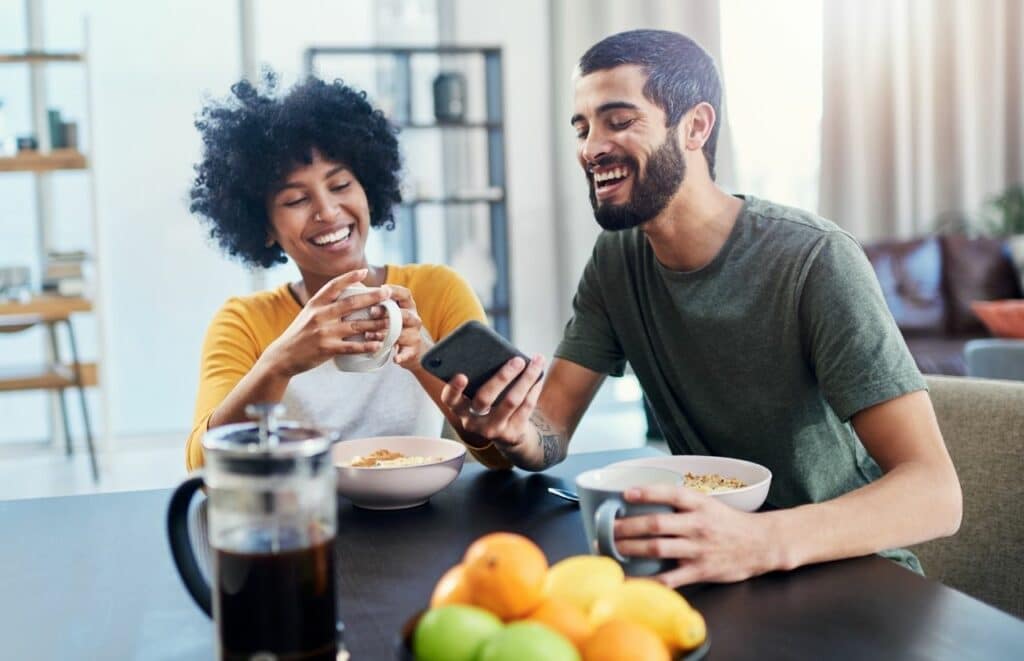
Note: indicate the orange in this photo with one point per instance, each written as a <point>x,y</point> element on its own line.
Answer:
<point>565,618</point>
<point>451,589</point>
<point>505,573</point>
<point>622,640</point>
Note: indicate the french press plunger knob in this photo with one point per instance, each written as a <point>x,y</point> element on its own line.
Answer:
<point>266,413</point>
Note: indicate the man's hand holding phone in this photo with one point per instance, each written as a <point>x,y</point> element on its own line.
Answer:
<point>491,386</point>
<point>505,421</point>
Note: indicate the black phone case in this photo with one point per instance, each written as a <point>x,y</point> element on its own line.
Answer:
<point>473,349</point>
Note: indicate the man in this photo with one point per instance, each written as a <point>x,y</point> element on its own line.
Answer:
<point>757,331</point>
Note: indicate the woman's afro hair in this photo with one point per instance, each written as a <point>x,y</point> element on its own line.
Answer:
<point>252,141</point>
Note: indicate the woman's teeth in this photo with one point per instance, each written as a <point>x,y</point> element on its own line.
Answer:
<point>333,237</point>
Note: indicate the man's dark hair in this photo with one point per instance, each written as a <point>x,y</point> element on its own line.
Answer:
<point>253,140</point>
<point>680,74</point>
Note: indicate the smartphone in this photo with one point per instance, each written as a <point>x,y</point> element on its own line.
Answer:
<point>473,349</point>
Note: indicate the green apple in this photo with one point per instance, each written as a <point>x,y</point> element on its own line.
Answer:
<point>453,633</point>
<point>527,641</point>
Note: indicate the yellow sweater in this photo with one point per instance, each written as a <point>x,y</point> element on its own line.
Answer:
<point>246,325</point>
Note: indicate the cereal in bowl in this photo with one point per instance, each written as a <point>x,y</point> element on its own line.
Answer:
<point>712,482</point>
<point>384,458</point>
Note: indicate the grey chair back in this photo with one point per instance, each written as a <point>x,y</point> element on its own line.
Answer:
<point>982,422</point>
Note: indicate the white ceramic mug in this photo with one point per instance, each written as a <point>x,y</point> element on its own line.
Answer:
<point>601,502</point>
<point>367,362</point>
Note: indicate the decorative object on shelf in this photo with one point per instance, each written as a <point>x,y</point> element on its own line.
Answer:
<point>56,128</point>
<point>14,284</point>
<point>69,134</point>
<point>66,274</point>
<point>27,143</point>
<point>450,97</point>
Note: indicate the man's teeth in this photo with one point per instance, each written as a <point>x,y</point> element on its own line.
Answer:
<point>617,173</point>
<point>333,237</point>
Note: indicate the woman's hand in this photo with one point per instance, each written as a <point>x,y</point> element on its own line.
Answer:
<point>318,333</point>
<point>411,344</point>
<point>712,541</point>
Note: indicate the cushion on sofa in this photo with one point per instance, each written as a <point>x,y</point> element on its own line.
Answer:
<point>975,270</point>
<point>910,274</point>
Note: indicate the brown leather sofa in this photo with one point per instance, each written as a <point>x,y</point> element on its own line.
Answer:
<point>929,285</point>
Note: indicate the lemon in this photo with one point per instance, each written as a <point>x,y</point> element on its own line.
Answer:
<point>582,579</point>
<point>655,606</point>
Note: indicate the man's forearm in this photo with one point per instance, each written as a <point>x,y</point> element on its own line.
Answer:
<point>910,504</point>
<point>544,446</point>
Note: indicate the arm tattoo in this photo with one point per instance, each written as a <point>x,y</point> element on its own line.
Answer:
<point>551,441</point>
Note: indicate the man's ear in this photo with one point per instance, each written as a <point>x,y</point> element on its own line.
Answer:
<point>698,124</point>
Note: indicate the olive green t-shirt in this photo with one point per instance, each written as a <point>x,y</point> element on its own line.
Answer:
<point>763,354</point>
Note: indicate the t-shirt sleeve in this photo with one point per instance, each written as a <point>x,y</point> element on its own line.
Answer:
<point>589,338</point>
<point>849,336</point>
<point>446,302</point>
<point>229,352</point>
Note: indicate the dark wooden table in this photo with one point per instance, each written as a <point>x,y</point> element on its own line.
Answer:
<point>90,577</point>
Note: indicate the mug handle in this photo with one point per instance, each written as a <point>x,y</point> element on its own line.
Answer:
<point>604,527</point>
<point>394,325</point>
<point>181,545</point>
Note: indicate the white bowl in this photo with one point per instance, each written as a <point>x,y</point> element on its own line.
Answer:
<point>755,476</point>
<point>398,487</point>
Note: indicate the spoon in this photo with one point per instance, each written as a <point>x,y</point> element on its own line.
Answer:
<point>564,493</point>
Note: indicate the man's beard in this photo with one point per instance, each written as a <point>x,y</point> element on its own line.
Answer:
<point>650,195</point>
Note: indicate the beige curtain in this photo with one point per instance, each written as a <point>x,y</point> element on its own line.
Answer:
<point>575,26</point>
<point>922,116</point>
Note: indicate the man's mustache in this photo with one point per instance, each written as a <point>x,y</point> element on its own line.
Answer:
<point>606,161</point>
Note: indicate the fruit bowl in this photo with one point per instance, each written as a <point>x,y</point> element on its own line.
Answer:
<point>396,487</point>
<point>403,643</point>
<point>746,499</point>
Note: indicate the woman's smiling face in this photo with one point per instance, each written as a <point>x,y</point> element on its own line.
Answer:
<point>320,217</point>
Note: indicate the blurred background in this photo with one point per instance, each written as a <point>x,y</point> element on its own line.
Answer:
<point>897,119</point>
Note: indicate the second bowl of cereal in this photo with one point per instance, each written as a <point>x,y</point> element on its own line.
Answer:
<point>395,472</point>
<point>735,482</point>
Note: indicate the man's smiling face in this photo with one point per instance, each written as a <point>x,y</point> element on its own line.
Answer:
<point>632,161</point>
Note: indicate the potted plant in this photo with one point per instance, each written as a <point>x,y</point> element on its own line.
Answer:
<point>1004,217</point>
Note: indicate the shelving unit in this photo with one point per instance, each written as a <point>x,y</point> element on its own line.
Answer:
<point>400,59</point>
<point>49,311</point>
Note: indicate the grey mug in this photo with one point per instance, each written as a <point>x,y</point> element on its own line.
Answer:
<point>601,502</point>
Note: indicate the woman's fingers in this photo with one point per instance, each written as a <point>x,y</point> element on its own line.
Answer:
<point>343,307</point>
<point>350,347</point>
<point>402,296</point>
<point>334,287</point>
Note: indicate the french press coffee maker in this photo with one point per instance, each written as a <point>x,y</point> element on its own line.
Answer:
<point>271,522</point>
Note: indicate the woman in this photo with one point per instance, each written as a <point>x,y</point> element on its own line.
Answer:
<point>306,176</point>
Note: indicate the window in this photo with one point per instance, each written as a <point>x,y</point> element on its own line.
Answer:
<point>771,64</point>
